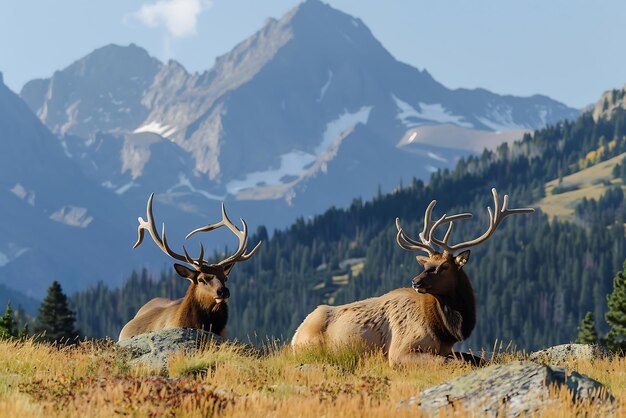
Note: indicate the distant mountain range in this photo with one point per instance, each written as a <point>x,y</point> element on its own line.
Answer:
<point>290,122</point>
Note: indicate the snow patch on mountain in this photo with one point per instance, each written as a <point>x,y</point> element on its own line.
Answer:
<point>325,86</point>
<point>343,122</point>
<point>293,163</point>
<point>183,181</point>
<point>437,157</point>
<point>27,195</point>
<point>156,128</point>
<point>431,112</point>
<point>11,252</point>
<point>72,216</point>
<point>500,118</point>
<point>437,113</point>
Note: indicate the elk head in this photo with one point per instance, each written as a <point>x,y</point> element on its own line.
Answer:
<point>208,278</point>
<point>442,269</point>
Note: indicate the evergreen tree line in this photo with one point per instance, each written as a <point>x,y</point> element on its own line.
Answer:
<point>609,208</point>
<point>534,279</point>
<point>615,338</point>
<point>54,323</point>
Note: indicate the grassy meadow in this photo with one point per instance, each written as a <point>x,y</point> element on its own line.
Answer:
<point>590,182</point>
<point>95,379</point>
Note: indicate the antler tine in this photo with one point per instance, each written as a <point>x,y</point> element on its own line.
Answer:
<point>201,258</point>
<point>495,217</point>
<point>243,242</point>
<point>445,219</point>
<point>151,228</point>
<point>448,232</point>
<point>240,254</point>
<point>407,243</point>
<point>427,237</point>
<point>247,255</point>
<point>427,223</point>
<point>211,227</point>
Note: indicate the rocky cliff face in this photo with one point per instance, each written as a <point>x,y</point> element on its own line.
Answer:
<point>610,102</point>
<point>270,116</point>
<point>100,92</point>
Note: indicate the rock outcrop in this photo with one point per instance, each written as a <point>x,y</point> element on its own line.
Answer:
<point>512,389</point>
<point>153,349</point>
<point>559,354</point>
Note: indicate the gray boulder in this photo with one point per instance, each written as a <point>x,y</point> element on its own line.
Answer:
<point>153,349</point>
<point>512,389</point>
<point>560,353</point>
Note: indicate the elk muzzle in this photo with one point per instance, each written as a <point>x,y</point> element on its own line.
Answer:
<point>419,283</point>
<point>222,294</point>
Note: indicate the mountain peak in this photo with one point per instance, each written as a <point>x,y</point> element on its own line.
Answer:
<point>102,89</point>
<point>610,102</point>
<point>109,57</point>
<point>320,14</point>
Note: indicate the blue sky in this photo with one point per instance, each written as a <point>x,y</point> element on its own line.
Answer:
<point>571,50</point>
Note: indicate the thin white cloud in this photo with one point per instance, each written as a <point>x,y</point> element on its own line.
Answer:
<point>178,17</point>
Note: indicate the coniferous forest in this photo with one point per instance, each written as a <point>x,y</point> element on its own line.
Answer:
<point>535,278</point>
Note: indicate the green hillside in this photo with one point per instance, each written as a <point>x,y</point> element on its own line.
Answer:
<point>534,279</point>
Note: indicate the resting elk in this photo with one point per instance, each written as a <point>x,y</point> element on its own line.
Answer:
<point>411,324</point>
<point>204,305</point>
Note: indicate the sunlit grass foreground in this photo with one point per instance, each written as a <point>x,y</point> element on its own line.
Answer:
<point>95,379</point>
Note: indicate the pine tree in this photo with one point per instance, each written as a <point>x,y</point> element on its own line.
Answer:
<point>616,315</point>
<point>587,330</point>
<point>55,318</point>
<point>8,327</point>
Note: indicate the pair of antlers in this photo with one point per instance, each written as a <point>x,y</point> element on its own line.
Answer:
<point>427,237</point>
<point>198,263</point>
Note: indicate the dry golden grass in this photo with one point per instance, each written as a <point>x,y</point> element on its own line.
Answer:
<point>590,185</point>
<point>95,380</point>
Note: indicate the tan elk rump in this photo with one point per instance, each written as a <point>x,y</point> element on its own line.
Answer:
<point>408,324</point>
<point>205,304</point>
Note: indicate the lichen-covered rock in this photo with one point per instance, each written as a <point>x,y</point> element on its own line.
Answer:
<point>153,349</point>
<point>560,353</point>
<point>511,390</point>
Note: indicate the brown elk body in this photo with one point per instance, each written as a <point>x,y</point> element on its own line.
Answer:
<point>409,324</point>
<point>205,304</point>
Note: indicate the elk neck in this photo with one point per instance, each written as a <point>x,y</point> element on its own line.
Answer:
<point>462,301</point>
<point>202,312</point>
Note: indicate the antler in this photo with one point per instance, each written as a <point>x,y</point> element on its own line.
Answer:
<point>428,238</point>
<point>162,242</point>
<point>495,217</point>
<point>240,254</point>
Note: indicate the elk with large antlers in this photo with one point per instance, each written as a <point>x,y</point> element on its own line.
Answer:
<point>204,305</point>
<point>408,324</point>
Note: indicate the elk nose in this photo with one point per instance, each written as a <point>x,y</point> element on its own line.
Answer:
<point>223,293</point>
<point>417,282</point>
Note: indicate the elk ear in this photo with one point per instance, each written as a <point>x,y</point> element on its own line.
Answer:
<point>228,268</point>
<point>422,259</point>
<point>462,259</point>
<point>186,273</point>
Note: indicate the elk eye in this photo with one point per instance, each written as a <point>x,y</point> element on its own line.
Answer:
<point>444,266</point>
<point>430,270</point>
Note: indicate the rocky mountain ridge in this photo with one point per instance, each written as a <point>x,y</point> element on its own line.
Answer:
<point>270,115</point>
